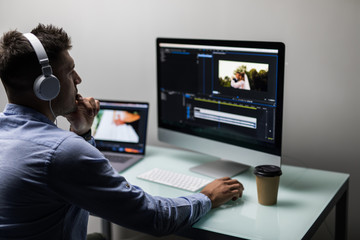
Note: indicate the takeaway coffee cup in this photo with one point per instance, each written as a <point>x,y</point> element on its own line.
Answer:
<point>267,183</point>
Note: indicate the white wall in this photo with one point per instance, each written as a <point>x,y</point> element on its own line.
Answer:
<point>114,50</point>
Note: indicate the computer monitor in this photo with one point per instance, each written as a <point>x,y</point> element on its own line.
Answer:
<point>222,98</point>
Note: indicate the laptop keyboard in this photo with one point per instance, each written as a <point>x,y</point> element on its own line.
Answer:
<point>119,159</point>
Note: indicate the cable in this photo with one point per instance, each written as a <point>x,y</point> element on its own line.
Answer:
<point>52,112</point>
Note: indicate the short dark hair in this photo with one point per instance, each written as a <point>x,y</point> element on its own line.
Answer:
<point>19,66</point>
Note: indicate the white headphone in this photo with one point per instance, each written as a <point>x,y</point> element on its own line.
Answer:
<point>46,86</point>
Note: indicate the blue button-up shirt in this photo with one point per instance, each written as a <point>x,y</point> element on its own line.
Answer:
<point>50,179</point>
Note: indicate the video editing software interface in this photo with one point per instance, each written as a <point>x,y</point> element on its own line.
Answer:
<point>121,126</point>
<point>228,91</point>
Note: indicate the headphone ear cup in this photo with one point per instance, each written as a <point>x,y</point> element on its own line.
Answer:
<point>46,88</point>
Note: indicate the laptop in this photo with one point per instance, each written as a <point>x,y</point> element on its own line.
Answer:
<point>119,130</point>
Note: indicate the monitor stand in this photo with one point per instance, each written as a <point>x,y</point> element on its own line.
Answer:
<point>220,168</point>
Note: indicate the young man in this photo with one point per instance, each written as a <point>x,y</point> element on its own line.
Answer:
<point>50,179</point>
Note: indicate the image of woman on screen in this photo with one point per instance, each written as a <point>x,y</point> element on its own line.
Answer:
<point>240,81</point>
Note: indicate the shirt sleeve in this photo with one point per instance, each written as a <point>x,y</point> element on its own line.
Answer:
<point>82,176</point>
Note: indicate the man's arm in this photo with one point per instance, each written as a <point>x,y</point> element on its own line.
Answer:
<point>81,175</point>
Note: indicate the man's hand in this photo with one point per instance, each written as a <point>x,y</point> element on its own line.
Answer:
<point>82,119</point>
<point>222,190</point>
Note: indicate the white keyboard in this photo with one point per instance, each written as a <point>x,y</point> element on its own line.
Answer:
<point>174,179</point>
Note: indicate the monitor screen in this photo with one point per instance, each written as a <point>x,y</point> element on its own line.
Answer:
<point>227,93</point>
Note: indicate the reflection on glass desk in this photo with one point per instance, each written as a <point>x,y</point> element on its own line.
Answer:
<point>306,196</point>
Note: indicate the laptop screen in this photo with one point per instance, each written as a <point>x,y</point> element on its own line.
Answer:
<point>121,126</point>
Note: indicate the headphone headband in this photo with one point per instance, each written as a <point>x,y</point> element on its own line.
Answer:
<point>46,86</point>
<point>40,53</point>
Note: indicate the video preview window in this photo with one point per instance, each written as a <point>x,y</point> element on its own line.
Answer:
<point>251,78</point>
<point>243,75</point>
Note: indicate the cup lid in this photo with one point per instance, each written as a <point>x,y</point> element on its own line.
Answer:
<point>267,171</point>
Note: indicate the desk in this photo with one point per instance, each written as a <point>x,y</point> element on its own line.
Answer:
<point>306,196</point>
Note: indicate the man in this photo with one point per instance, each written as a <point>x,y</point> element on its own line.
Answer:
<point>240,81</point>
<point>50,179</point>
